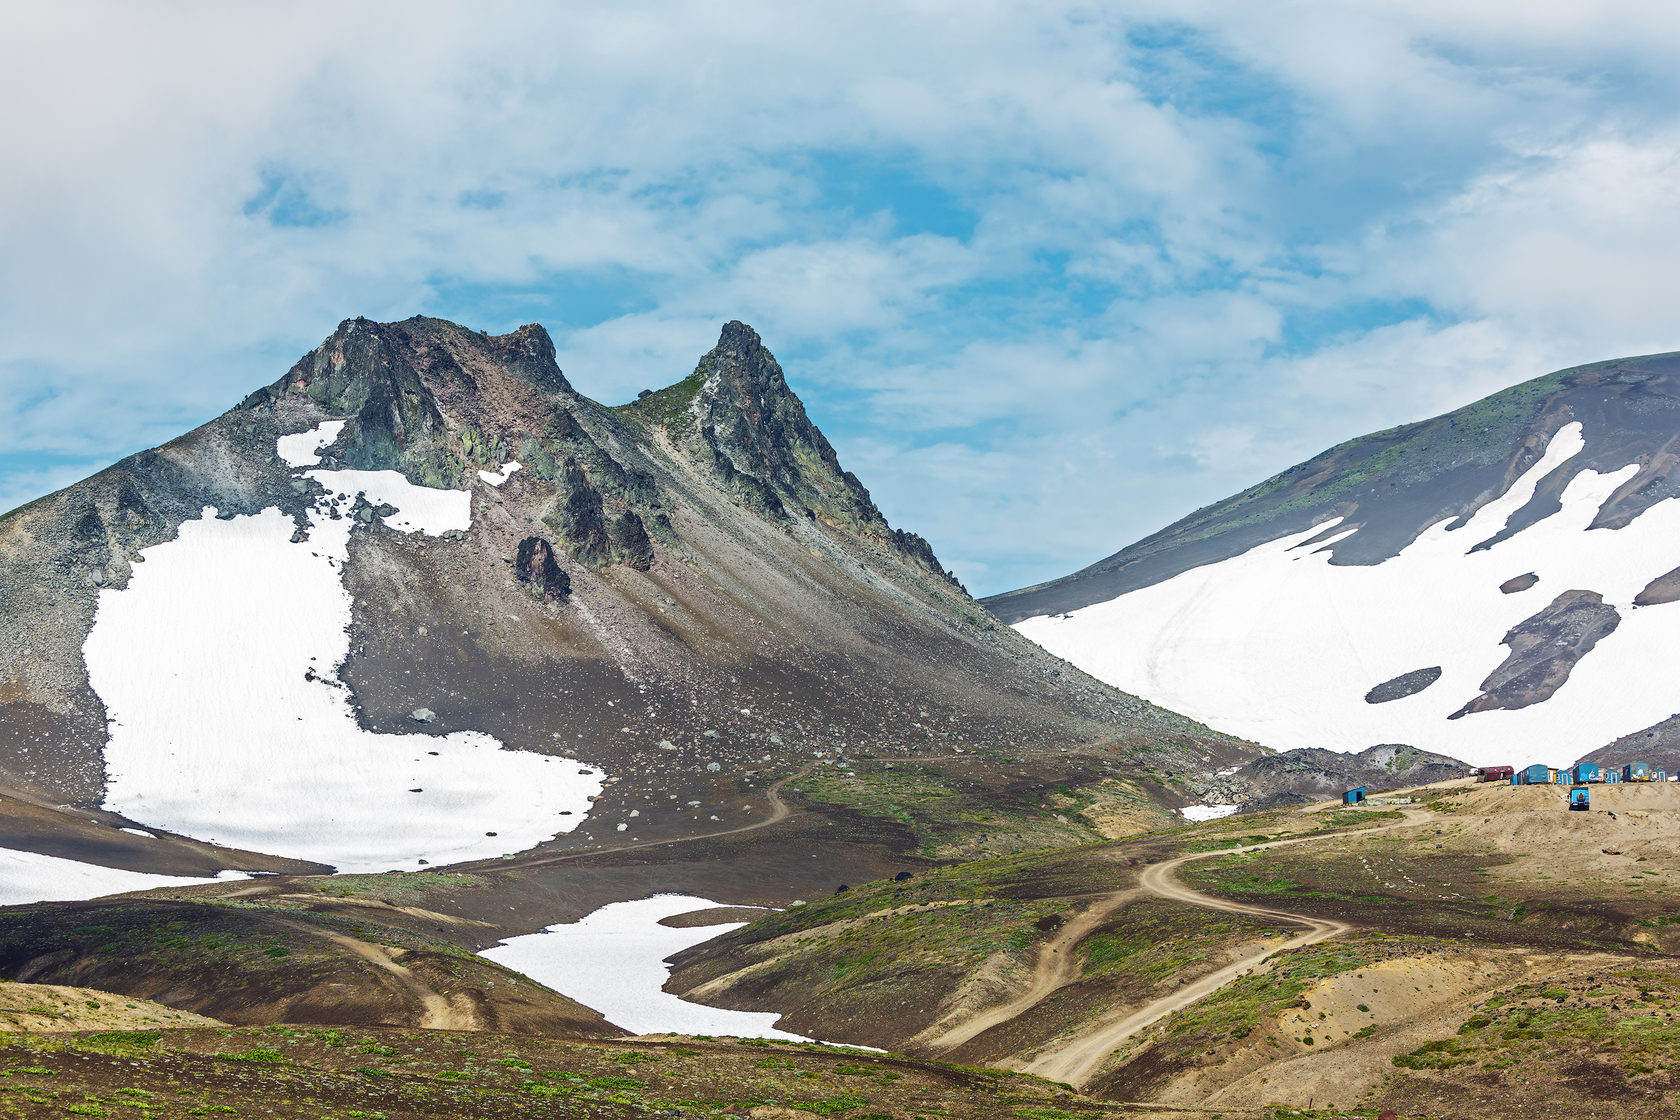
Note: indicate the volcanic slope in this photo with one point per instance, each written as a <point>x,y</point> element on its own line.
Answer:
<point>1471,950</point>
<point>419,602</point>
<point>1497,584</point>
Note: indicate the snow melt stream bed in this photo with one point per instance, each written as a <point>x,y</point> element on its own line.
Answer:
<point>614,961</point>
<point>218,666</point>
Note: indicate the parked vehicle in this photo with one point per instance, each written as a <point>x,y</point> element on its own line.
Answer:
<point>1580,799</point>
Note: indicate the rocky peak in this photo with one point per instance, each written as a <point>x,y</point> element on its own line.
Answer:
<point>763,441</point>
<point>754,429</point>
<point>397,382</point>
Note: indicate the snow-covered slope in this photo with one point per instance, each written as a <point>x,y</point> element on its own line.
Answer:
<point>218,666</point>
<point>1533,620</point>
<point>418,601</point>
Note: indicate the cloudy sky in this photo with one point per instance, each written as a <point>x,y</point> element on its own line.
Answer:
<point>1049,275</point>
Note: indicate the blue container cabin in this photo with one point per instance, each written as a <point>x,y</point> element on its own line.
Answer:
<point>1354,796</point>
<point>1561,777</point>
<point>1536,775</point>
<point>1585,772</point>
<point>1611,774</point>
<point>1636,772</point>
<point>1580,799</point>
<point>1516,779</point>
<point>1659,775</point>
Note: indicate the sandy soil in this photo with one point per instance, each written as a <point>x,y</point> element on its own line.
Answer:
<point>1082,1058</point>
<point>47,1008</point>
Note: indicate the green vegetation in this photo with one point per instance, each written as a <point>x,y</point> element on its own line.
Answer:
<point>1623,1020</point>
<point>1153,940</point>
<point>668,407</point>
<point>292,1073</point>
<point>953,816</point>
<point>1240,1008</point>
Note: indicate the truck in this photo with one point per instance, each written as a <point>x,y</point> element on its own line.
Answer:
<point>1580,799</point>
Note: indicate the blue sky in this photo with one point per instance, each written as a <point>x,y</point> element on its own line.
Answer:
<point>1049,276</point>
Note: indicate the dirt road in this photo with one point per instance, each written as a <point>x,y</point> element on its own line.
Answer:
<point>439,1011</point>
<point>1077,1060</point>
<point>779,812</point>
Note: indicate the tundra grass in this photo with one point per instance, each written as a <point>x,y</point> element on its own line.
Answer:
<point>953,817</point>
<point>348,1073</point>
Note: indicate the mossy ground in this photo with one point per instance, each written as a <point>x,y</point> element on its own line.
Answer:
<point>330,1073</point>
<point>955,816</point>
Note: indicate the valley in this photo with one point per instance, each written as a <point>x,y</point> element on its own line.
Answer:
<point>423,738</point>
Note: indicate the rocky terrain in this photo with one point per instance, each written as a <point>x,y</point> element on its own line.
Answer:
<point>687,591</point>
<point>672,648</point>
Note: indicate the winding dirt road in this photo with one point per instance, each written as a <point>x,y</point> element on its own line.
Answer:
<point>1079,1059</point>
<point>779,812</point>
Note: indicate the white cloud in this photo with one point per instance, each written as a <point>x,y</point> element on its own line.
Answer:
<point>1189,243</point>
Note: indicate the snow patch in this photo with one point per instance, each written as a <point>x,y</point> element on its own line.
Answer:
<point>139,832</point>
<point>496,479</point>
<point>1200,813</point>
<point>1281,646</point>
<point>420,509</point>
<point>304,448</point>
<point>614,961</point>
<point>31,877</point>
<point>218,667</point>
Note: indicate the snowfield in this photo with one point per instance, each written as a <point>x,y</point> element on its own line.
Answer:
<point>614,961</point>
<point>1200,813</point>
<point>304,448</point>
<point>1280,646</point>
<point>496,478</point>
<point>29,877</point>
<point>218,667</point>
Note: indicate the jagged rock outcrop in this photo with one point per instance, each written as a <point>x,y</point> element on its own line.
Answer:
<point>1545,649</point>
<point>535,565</point>
<point>738,413</point>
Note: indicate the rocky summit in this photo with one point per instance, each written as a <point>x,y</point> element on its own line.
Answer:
<point>684,598</point>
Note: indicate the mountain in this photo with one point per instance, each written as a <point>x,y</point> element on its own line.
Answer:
<point>1497,584</point>
<point>418,602</point>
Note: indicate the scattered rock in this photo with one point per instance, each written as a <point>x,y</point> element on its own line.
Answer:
<point>423,715</point>
<point>1406,684</point>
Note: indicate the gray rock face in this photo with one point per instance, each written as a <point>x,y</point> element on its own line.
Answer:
<point>1664,589</point>
<point>1519,583</point>
<point>1406,684</point>
<point>1310,774</point>
<point>764,446</point>
<point>1544,651</point>
<point>534,564</point>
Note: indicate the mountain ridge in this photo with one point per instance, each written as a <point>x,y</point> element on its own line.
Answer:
<point>1493,581</point>
<point>1521,420</point>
